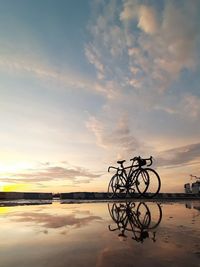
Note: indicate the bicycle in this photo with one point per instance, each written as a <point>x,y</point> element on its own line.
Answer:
<point>139,177</point>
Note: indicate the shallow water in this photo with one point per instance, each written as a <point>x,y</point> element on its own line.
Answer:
<point>101,234</point>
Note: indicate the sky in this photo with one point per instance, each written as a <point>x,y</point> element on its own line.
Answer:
<point>86,83</point>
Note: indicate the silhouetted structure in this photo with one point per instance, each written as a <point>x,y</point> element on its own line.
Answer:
<point>24,195</point>
<point>194,188</point>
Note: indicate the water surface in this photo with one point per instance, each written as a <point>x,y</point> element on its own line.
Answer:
<point>101,234</point>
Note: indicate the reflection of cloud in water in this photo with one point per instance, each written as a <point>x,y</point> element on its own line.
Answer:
<point>55,221</point>
<point>112,257</point>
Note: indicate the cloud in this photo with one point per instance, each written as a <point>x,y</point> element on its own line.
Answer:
<point>94,58</point>
<point>118,140</point>
<point>188,108</point>
<point>31,66</point>
<point>166,43</point>
<point>67,78</point>
<point>144,14</point>
<point>46,173</point>
<point>55,221</point>
<point>147,19</point>
<point>179,156</point>
<point>191,106</point>
<point>130,11</point>
<point>175,45</point>
<point>154,45</point>
<point>166,109</point>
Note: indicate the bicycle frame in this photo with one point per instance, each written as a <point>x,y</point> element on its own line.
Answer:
<point>131,167</point>
<point>129,176</point>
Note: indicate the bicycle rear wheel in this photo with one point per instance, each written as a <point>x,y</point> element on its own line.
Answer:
<point>114,211</point>
<point>110,192</point>
<point>154,183</point>
<point>118,212</point>
<point>117,187</point>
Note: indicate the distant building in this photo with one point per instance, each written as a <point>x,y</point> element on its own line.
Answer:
<point>196,187</point>
<point>187,188</point>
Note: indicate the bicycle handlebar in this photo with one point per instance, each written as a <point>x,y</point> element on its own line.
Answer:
<point>151,161</point>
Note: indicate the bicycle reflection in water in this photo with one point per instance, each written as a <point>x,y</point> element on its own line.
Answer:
<point>137,217</point>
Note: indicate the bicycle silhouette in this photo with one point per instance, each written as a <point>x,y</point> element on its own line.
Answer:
<point>138,219</point>
<point>140,178</point>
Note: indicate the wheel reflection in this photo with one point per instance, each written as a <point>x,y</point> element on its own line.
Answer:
<point>141,219</point>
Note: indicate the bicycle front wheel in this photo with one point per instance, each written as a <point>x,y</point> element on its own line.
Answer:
<point>142,182</point>
<point>154,183</point>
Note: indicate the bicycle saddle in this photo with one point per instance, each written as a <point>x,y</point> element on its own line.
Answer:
<point>120,161</point>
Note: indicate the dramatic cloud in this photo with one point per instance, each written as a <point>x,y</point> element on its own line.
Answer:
<point>166,44</point>
<point>173,46</point>
<point>143,50</point>
<point>180,155</point>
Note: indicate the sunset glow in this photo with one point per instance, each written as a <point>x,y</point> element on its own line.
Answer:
<point>14,187</point>
<point>85,83</point>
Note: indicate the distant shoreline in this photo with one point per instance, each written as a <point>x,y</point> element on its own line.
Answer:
<point>86,196</point>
